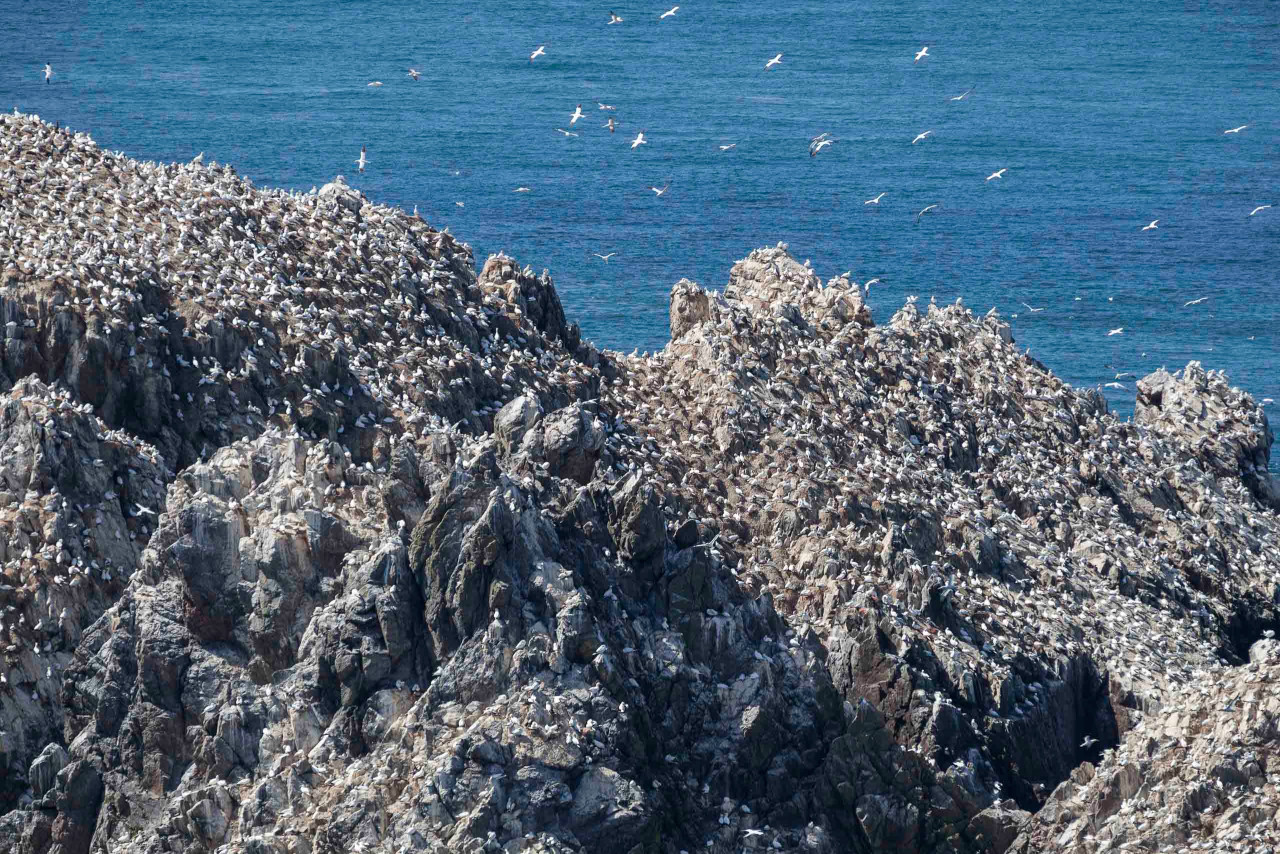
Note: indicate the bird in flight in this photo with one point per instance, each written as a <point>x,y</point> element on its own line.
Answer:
<point>1258,208</point>
<point>729,146</point>
<point>925,211</point>
<point>606,106</point>
<point>611,124</point>
<point>777,60</point>
<point>604,258</point>
<point>866,288</point>
<point>1117,331</point>
<point>1152,225</point>
<point>1194,302</point>
<point>614,19</point>
<point>1120,386</point>
<point>362,161</point>
<point>577,114</point>
<point>522,189</point>
<point>965,94</point>
<point>541,51</point>
<point>1235,130</point>
<point>48,72</point>
<point>923,52</point>
<point>997,173</point>
<point>820,142</point>
<point>566,132</point>
<point>670,12</point>
<point>921,136</point>
<point>415,73</point>
<point>376,83</point>
<point>662,189</point>
<point>1033,310</point>
<point>460,204</point>
<point>638,141</point>
<point>876,200</point>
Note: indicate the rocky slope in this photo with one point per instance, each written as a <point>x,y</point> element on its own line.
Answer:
<point>316,539</point>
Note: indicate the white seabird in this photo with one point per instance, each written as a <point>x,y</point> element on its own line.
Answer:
<point>1258,208</point>
<point>921,136</point>
<point>638,141</point>
<point>670,12</point>
<point>777,60</point>
<point>876,200</point>
<point>922,53</point>
<point>997,173</point>
<point>1151,225</point>
<point>541,51</point>
<point>48,72</point>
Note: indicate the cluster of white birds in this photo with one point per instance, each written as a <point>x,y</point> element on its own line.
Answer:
<point>816,144</point>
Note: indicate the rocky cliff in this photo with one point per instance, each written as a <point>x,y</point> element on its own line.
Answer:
<point>316,539</point>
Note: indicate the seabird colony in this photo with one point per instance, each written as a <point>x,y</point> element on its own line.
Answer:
<point>316,539</point>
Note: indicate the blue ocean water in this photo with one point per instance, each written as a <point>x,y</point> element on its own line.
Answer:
<point>1107,115</point>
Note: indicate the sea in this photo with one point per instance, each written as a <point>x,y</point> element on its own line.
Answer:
<point>1105,115</point>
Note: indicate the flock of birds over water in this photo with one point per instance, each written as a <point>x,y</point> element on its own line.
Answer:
<point>817,144</point>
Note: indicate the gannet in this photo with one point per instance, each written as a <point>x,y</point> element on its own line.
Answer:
<point>614,19</point>
<point>820,142</point>
<point>1152,225</point>
<point>48,72</point>
<point>537,53</point>
<point>1229,130</point>
<point>921,136</point>
<point>639,140</point>
<point>997,173</point>
<point>668,13</point>
<point>1258,208</point>
<point>577,114</point>
<point>923,52</point>
<point>362,161</point>
<point>777,60</point>
<point>415,73</point>
<point>876,200</point>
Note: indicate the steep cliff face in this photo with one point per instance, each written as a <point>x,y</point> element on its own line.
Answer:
<point>316,539</point>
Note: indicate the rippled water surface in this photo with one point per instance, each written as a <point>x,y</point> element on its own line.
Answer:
<point>1106,115</point>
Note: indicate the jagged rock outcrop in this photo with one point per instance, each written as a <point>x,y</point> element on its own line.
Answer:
<point>397,562</point>
<point>1229,432</point>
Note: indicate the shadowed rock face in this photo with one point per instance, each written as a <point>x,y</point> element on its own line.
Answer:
<point>316,540</point>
